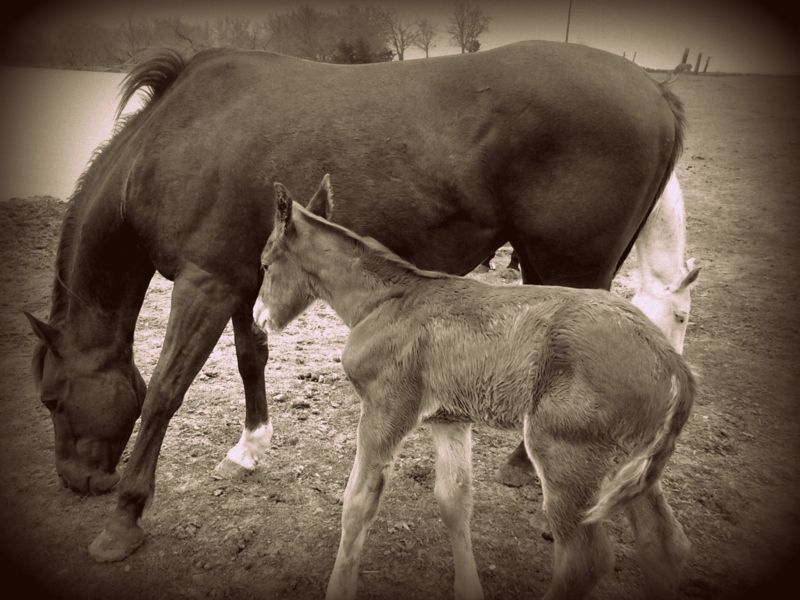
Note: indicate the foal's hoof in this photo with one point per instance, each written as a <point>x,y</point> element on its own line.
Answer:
<point>515,476</point>
<point>228,469</point>
<point>115,543</point>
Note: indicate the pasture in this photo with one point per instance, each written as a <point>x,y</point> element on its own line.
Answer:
<point>734,481</point>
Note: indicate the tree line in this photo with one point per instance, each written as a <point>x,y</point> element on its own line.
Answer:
<point>352,35</point>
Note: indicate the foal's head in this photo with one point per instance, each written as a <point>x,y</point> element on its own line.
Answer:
<point>668,306</point>
<point>283,258</point>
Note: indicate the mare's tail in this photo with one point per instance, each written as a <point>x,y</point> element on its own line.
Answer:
<point>644,469</point>
<point>156,73</point>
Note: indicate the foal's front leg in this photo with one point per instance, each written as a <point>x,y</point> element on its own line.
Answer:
<point>370,474</point>
<point>453,491</point>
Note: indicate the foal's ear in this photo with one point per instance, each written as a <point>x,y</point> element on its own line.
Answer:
<point>47,334</point>
<point>283,211</point>
<point>322,202</point>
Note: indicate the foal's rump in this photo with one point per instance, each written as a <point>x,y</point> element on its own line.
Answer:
<point>584,370</point>
<point>617,390</point>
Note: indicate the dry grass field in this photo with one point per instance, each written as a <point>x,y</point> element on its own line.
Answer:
<point>734,481</point>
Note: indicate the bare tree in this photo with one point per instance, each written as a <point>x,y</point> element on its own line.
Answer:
<point>363,35</point>
<point>136,36</point>
<point>305,32</point>
<point>426,32</point>
<point>401,33</point>
<point>466,25</point>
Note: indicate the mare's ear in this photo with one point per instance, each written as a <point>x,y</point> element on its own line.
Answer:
<point>322,202</point>
<point>283,209</point>
<point>47,334</point>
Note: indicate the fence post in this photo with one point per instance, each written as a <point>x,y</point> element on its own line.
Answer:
<point>697,65</point>
<point>634,57</point>
<point>706,67</point>
<point>685,56</point>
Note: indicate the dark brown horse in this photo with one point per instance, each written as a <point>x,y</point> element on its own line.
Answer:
<point>560,149</point>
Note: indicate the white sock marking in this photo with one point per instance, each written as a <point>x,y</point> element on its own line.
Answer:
<point>252,446</point>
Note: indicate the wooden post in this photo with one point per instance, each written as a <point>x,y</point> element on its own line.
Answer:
<point>569,16</point>
<point>706,67</point>
<point>623,54</point>
<point>685,56</point>
<point>634,57</point>
<point>697,65</point>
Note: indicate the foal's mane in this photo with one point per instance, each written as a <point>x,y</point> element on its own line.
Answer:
<point>374,256</point>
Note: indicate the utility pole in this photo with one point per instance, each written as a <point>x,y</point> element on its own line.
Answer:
<point>569,15</point>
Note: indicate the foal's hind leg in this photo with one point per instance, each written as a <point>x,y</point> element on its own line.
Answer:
<point>453,493</point>
<point>661,546</point>
<point>571,473</point>
<point>251,356</point>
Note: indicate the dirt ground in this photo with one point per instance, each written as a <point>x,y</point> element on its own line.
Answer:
<point>734,481</point>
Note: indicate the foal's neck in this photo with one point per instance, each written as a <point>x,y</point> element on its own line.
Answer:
<point>355,278</point>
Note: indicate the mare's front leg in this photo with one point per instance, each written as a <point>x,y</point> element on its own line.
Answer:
<point>251,355</point>
<point>200,309</point>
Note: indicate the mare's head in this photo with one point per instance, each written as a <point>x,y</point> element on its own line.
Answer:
<point>94,403</point>
<point>669,306</point>
<point>282,260</point>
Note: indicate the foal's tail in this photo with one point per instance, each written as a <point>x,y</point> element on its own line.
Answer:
<point>644,469</point>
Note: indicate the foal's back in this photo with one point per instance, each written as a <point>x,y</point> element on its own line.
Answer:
<point>487,354</point>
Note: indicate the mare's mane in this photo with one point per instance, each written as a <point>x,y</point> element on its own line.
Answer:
<point>157,72</point>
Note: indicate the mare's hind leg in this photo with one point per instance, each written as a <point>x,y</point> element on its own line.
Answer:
<point>453,491</point>
<point>571,472</point>
<point>661,546</point>
<point>200,309</point>
<point>376,446</point>
<point>517,470</point>
<point>251,355</point>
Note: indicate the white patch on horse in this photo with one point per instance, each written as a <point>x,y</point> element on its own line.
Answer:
<point>665,281</point>
<point>252,446</point>
<point>536,467</point>
<point>261,314</point>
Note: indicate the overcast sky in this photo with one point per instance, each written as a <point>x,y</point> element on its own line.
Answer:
<point>738,35</point>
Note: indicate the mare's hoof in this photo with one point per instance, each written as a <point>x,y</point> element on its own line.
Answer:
<point>115,543</point>
<point>228,469</point>
<point>515,476</point>
<point>509,274</point>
